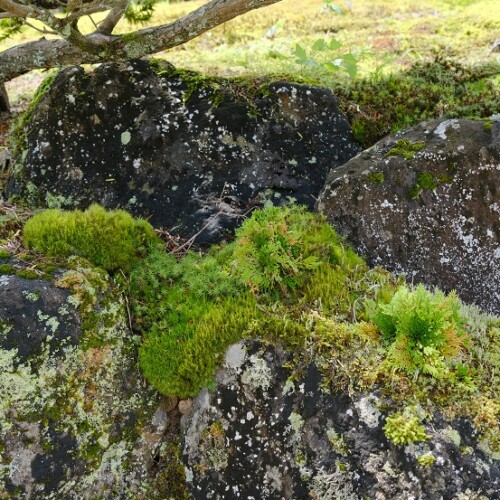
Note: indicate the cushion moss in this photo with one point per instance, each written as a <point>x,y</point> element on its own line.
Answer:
<point>112,240</point>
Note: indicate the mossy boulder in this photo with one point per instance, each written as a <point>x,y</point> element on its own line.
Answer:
<point>266,432</point>
<point>182,150</point>
<point>76,418</point>
<point>425,203</point>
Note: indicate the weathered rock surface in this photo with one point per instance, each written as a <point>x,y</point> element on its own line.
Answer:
<point>76,419</point>
<point>434,217</point>
<point>263,435</point>
<point>178,149</point>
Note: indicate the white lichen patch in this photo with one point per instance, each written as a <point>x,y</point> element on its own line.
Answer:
<point>367,411</point>
<point>125,137</point>
<point>258,375</point>
<point>51,322</point>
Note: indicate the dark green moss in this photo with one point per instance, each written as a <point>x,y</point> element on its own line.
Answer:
<point>7,269</point>
<point>28,274</point>
<point>376,177</point>
<point>171,478</point>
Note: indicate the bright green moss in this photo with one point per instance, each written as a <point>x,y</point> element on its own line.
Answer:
<point>403,429</point>
<point>180,361</point>
<point>426,460</point>
<point>4,254</point>
<point>7,269</point>
<point>406,149</point>
<point>109,239</point>
<point>278,248</point>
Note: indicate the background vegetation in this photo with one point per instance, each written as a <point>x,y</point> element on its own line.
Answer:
<point>430,59</point>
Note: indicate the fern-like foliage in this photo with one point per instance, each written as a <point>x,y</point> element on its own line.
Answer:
<point>423,330</point>
<point>9,27</point>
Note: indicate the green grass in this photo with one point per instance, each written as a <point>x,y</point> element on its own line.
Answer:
<point>427,60</point>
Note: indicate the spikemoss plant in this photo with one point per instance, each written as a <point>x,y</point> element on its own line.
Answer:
<point>278,248</point>
<point>109,239</point>
<point>423,330</point>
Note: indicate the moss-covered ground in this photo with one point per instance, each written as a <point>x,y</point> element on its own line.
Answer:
<point>289,278</point>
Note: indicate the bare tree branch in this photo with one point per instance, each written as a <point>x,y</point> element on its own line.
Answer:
<point>100,47</point>
<point>107,26</point>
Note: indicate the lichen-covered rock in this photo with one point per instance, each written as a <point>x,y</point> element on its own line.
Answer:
<point>426,203</point>
<point>263,434</point>
<point>76,418</point>
<point>177,148</point>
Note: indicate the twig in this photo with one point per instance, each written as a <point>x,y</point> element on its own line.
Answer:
<point>189,243</point>
<point>127,306</point>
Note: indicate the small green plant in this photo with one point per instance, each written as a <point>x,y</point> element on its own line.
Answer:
<point>426,460</point>
<point>279,248</point>
<point>109,239</point>
<point>327,54</point>
<point>424,180</point>
<point>403,429</point>
<point>422,330</point>
<point>406,149</point>
<point>376,177</point>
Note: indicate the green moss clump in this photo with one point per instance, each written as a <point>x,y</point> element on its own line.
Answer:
<point>279,248</point>
<point>404,429</point>
<point>109,239</point>
<point>7,269</point>
<point>28,274</point>
<point>4,254</point>
<point>424,180</point>
<point>426,460</point>
<point>406,149</point>
<point>376,177</point>
<point>189,311</point>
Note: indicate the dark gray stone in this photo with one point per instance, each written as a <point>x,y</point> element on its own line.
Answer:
<point>176,149</point>
<point>262,435</point>
<point>447,235</point>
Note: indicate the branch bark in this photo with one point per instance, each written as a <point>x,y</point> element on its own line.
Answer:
<point>101,47</point>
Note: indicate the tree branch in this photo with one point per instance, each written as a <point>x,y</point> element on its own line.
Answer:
<point>107,26</point>
<point>52,53</point>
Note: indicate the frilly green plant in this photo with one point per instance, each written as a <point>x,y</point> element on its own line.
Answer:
<point>112,240</point>
<point>423,330</point>
<point>279,247</point>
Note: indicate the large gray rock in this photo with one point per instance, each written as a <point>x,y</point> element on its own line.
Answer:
<point>177,149</point>
<point>265,435</point>
<point>77,420</point>
<point>433,215</point>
